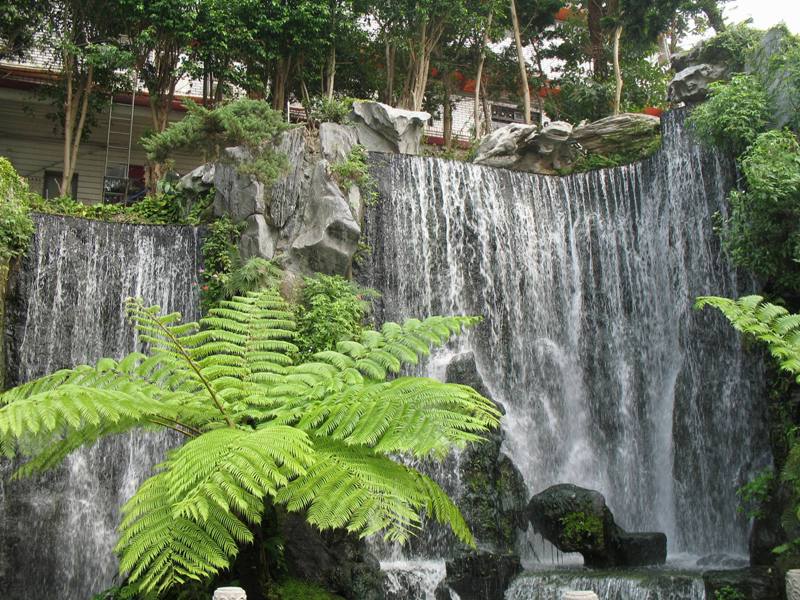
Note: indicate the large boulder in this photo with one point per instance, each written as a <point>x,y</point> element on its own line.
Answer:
<point>336,141</point>
<point>691,85</point>
<point>328,233</point>
<point>577,519</point>
<point>528,148</point>
<point>557,145</point>
<point>625,132</point>
<point>382,128</point>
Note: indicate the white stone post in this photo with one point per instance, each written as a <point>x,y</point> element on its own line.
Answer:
<point>793,584</point>
<point>579,595</point>
<point>230,593</point>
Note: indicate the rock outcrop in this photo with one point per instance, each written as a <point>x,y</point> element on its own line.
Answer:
<point>576,519</point>
<point>777,79</point>
<point>557,145</point>
<point>697,68</point>
<point>382,128</point>
<point>305,217</point>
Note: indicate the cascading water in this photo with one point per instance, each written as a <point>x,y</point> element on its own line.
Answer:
<point>609,378</point>
<point>65,308</point>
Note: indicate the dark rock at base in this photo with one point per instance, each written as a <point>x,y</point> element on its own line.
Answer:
<point>642,548</point>
<point>755,583</point>
<point>577,519</point>
<point>721,560</point>
<point>482,576</point>
<point>334,560</point>
<point>494,498</point>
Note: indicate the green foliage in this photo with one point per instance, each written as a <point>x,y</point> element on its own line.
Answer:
<point>220,258</point>
<point>763,231</point>
<point>754,495</point>
<point>786,64</point>
<point>294,589</point>
<point>243,122</point>
<point>728,593</point>
<point>354,170</point>
<point>161,208</point>
<point>733,116</point>
<point>734,44</point>
<point>254,275</point>
<point>331,309</point>
<point>319,436</point>
<point>331,110</point>
<point>16,227</point>
<point>580,528</point>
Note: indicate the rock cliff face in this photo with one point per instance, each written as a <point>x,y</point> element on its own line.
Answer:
<point>308,219</point>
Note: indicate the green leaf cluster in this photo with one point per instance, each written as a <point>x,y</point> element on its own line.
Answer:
<point>336,109</point>
<point>754,495</point>
<point>354,170</point>
<point>763,231</point>
<point>733,116</point>
<point>320,436</point>
<point>242,122</point>
<point>581,528</point>
<point>331,309</point>
<point>220,258</point>
<point>728,593</point>
<point>16,227</point>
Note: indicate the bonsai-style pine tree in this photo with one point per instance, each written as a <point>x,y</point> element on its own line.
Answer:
<point>320,436</point>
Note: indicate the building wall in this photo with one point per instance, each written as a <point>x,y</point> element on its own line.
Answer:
<point>33,144</point>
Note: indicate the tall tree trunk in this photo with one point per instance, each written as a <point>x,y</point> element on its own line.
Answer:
<point>331,72</point>
<point>391,54</point>
<point>523,71</point>
<point>596,46</point>
<point>479,76</point>
<point>282,68</point>
<point>67,62</point>
<point>487,113</point>
<point>617,70</point>
<point>447,117</point>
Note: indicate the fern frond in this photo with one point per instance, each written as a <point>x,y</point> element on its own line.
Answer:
<point>767,322</point>
<point>365,492</point>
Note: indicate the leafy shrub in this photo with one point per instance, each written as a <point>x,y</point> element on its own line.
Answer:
<point>354,170</point>
<point>160,209</point>
<point>728,593</point>
<point>255,274</point>
<point>733,116</point>
<point>580,528</point>
<point>220,256</point>
<point>331,309</point>
<point>733,45</point>
<point>763,231</point>
<point>754,495</point>
<point>243,122</point>
<point>330,110</point>
<point>16,227</point>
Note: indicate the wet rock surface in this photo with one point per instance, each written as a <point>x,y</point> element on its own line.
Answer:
<point>577,519</point>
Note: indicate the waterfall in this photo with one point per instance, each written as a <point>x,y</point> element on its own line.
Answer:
<point>609,378</point>
<point>638,585</point>
<point>65,307</point>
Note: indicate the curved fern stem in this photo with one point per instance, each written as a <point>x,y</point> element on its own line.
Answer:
<point>182,351</point>
<point>176,426</point>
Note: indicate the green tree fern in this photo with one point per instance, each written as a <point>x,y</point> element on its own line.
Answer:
<point>320,436</point>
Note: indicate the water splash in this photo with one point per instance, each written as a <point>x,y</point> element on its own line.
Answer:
<point>66,308</point>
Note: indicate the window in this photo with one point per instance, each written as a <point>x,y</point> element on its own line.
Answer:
<point>52,181</point>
